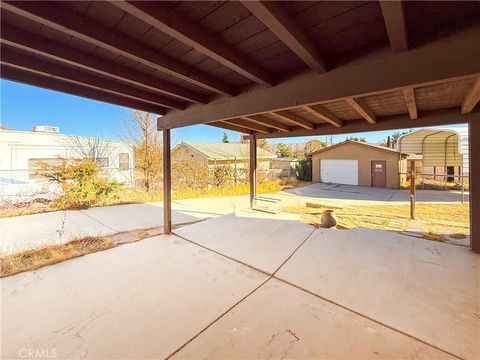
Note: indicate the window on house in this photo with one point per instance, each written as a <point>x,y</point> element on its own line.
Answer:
<point>34,167</point>
<point>123,161</point>
<point>102,162</point>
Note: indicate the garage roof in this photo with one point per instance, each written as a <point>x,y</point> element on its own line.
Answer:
<point>360,143</point>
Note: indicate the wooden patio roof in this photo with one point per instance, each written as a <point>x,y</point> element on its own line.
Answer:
<point>272,69</point>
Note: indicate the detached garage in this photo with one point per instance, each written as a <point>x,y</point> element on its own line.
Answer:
<point>358,163</point>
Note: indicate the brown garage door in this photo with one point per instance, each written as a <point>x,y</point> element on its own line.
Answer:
<point>379,173</point>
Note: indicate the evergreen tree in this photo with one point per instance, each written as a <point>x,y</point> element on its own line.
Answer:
<point>284,150</point>
<point>225,138</point>
<point>354,138</point>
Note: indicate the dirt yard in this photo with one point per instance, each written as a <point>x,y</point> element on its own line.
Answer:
<point>436,221</point>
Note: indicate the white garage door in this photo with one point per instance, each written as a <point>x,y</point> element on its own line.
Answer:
<point>339,171</point>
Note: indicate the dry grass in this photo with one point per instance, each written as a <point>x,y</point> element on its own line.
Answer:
<point>11,210</point>
<point>48,255</point>
<point>240,189</point>
<point>430,184</point>
<point>53,254</point>
<point>435,220</point>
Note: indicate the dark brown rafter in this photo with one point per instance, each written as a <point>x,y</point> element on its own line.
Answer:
<point>227,126</point>
<point>409,95</point>
<point>324,114</point>
<point>68,22</point>
<point>427,118</point>
<point>161,17</point>
<point>360,107</point>
<point>24,40</point>
<point>472,98</point>
<point>284,27</point>
<point>74,76</point>
<point>262,120</point>
<point>86,92</point>
<point>250,125</point>
<point>295,119</point>
<point>394,16</point>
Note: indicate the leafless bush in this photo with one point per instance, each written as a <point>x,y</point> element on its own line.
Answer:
<point>189,173</point>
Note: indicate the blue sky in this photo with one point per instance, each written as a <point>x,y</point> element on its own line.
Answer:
<point>24,106</point>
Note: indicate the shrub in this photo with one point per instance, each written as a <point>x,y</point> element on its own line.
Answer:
<point>80,182</point>
<point>304,169</point>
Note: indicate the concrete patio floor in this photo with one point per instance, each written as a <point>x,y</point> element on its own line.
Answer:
<point>294,293</point>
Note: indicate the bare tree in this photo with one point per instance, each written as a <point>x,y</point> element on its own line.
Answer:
<point>140,131</point>
<point>90,148</point>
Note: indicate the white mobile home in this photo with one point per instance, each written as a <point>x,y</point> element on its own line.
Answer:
<point>20,152</point>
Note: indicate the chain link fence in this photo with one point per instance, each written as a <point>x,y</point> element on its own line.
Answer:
<point>25,185</point>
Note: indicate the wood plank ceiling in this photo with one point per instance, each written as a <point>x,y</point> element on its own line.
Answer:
<point>182,59</point>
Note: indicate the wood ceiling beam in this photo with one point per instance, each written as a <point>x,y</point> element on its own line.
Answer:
<point>434,63</point>
<point>322,113</point>
<point>263,120</point>
<point>177,25</point>
<point>274,16</point>
<point>295,119</point>
<point>250,125</point>
<point>472,98</point>
<point>427,118</point>
<point>75,76</point>
<point>24,40</point>
<point>29,78</point>
<point>409,95</point>
<point>68,22</point>
<point>362,108</point>
<point>226,126</point>
<point>394,17</point>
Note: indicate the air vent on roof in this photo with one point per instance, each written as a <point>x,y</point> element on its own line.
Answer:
<point>47,129</point>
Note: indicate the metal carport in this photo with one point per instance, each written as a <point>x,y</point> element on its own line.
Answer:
<point>439,147</point>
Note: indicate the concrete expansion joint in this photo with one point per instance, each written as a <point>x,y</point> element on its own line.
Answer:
<point>98,221</point>
<point>273,276</point>
<point>293,252</point>
<point>270,276</point>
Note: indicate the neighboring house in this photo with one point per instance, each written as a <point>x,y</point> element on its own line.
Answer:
<point>21,151</point>
<point>234,155</point>
<point>437,152</point>
<point>358,163</point>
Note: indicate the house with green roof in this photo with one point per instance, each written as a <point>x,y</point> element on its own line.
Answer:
<point>215,155</point>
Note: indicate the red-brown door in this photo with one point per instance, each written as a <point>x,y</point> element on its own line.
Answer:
<point>379,173</point>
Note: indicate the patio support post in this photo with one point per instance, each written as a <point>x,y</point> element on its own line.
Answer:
<point>412,191</point>
<point>167,183</point>
<point>474,183</point>
<point>253,169</point>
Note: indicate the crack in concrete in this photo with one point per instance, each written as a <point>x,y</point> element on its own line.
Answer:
<point>61,231</point>
<point>288,331</point>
